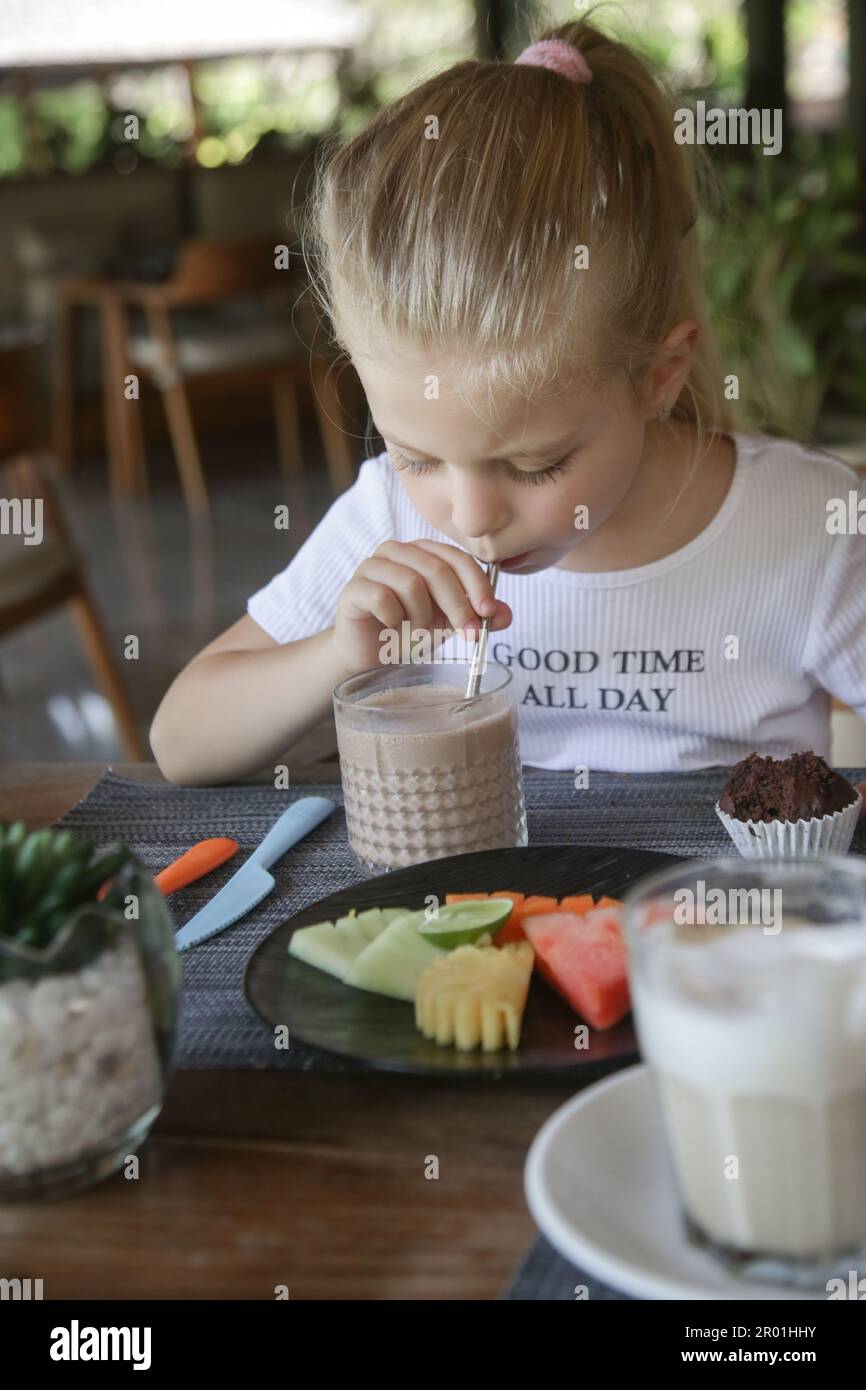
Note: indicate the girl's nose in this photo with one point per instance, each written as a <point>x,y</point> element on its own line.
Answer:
<point>476,509</point>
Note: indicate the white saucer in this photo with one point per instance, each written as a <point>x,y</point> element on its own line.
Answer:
<point>599,1185</point>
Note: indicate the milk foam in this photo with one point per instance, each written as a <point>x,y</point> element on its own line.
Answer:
<point>742,1012</point>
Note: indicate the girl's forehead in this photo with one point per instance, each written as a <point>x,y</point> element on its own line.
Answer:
<point>447,427</point>
<point>435,391</point>
<point>490,384</point>
<point>459,377</point>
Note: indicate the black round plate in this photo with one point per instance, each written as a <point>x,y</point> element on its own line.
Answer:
<point>320,1010</point>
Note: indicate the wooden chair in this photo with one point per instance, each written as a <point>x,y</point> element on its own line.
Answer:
<point>244,334</point>
<point>36,578</point>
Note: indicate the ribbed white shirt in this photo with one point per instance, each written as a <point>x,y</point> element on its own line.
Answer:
<point>732,644</point>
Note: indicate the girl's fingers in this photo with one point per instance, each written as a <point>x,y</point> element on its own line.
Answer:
<point>409,586</point>
<point>364,598</point>
<point>472,577</point>
<point>427,584</point>
<point>503,617</point>
<point>443,584</point>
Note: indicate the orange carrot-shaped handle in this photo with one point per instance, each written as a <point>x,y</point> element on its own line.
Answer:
<point>193,864</point>
<point>198,861</point>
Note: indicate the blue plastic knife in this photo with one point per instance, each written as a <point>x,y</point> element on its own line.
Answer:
<point>252,882</point>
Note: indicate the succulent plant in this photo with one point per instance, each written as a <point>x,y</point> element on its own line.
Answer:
<point>44,877</point>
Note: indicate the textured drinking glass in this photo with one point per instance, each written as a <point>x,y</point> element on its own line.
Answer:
<point>749,991</point>
<point>421,779</point>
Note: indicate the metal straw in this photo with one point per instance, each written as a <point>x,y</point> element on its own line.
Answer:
<point>480,652</point>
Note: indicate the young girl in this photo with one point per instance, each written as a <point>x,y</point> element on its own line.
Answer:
<point>508,254</point>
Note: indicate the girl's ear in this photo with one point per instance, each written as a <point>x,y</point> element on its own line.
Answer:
<point>667,374</point>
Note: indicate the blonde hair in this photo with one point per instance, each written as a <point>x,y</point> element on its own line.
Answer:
<point>464,244</point>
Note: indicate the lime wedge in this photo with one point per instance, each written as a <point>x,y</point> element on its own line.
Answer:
<point>461,924</point>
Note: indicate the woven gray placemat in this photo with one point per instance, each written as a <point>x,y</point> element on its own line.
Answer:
<point>543,1275</point>
<point>671,812</point>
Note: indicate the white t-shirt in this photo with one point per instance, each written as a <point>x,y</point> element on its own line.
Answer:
<point>728,646</point>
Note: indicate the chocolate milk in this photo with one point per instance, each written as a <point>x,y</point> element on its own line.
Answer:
<point>436,782</point>
<point>758,1048</point>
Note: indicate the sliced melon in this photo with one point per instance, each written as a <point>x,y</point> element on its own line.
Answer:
<point>373,921</point>
<point>333,947</point>
<point>392,963</point>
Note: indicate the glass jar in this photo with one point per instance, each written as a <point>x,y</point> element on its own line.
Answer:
<point>87,1031</point>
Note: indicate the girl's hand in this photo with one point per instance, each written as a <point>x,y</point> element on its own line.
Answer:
<point>861,787</point>
<point>426,583</point>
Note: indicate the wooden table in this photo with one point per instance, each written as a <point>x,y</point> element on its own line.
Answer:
<point>251,1180</point>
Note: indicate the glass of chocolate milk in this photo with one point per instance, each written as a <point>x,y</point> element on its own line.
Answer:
<point>423,779</point>
<point>749,990</point>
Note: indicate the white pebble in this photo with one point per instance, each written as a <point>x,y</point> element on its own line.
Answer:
<point>78,1061</point>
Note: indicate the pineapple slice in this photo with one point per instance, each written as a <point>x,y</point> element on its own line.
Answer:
<point>475,995</point>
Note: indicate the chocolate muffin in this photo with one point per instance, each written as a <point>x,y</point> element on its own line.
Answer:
<point>787,789</point>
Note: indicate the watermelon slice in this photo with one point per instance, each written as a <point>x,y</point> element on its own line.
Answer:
<point>584,958</point>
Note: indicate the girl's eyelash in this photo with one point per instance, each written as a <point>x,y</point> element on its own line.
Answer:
<point>539,476</point>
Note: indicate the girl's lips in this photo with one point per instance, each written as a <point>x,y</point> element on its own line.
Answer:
<point>515,560</point>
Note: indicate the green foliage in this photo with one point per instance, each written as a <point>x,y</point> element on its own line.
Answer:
<point>47,879</point>
<point>70,126</point>
<point>12,158</point>
<point>784,249</point>
<point>250,103</point>
<point>786,278</point>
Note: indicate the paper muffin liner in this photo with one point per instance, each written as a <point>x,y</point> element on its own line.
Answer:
<point>781,839</point>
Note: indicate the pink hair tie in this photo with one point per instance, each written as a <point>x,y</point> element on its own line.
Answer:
<point>558,55</point>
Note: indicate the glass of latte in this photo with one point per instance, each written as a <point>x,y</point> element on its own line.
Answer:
<point>749,992</point>
<point>425,772</point>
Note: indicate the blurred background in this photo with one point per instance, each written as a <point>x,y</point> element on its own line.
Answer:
<point>164,386</point>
